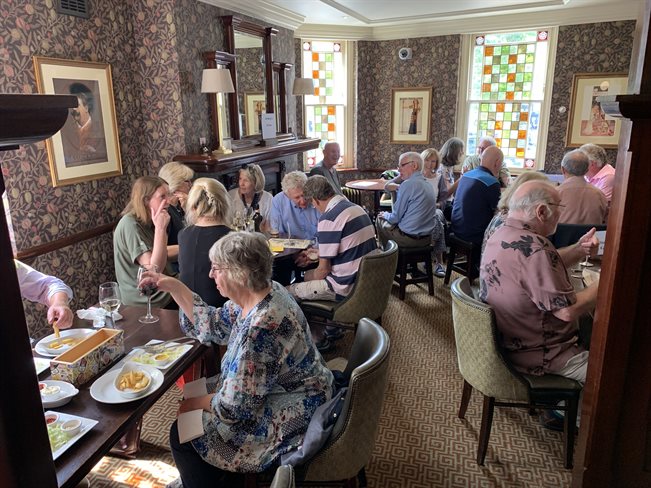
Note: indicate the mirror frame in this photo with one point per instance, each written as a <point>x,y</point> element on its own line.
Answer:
<point>231,24</point>
<point>212,59</point>
<point>282,69</point>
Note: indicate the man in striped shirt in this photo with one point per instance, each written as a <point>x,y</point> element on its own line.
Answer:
<point>345,235</point>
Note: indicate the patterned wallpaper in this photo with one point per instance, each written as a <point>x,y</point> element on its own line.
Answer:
<point>434,63</point>
<point>154,49</point>
<point>587,48</point>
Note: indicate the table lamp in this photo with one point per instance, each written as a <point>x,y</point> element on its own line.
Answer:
<point>214,80</point>
<point>303,86</point>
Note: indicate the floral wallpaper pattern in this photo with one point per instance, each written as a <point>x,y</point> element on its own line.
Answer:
<point>435,63</point>
<point>154,49</point>
<point>587,48</point>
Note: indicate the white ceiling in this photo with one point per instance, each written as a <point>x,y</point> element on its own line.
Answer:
<point>399,19</point>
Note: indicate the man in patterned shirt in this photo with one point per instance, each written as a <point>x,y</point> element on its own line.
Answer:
<point>524,278</point>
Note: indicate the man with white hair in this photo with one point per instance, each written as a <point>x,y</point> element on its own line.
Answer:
<point>411,222</point>
<point>600,174</point>
<point>327,166</point>
<point>581,203</point>
<point>291,214</point>
<point>473,161</point>
<point>524,278</point>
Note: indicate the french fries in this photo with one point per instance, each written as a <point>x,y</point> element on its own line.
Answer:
<point>133,380</point>
<point>57,334</point>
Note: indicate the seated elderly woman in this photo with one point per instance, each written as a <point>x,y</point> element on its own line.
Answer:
<point>250,195</point>
<point>272,376</point>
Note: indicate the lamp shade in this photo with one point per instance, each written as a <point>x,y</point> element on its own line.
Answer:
<point>215,80</point>
<point>303,86</point>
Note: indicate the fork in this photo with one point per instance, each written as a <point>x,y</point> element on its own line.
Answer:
<point>161,346</point>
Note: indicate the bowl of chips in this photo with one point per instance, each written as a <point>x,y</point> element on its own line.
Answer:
<point>132,380</point>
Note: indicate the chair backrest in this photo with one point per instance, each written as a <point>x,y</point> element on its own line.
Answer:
<point>350,445</point>
<point>568,234</point>
<point>480,361</point>
<point>284,477</point>
<point>370,294</point>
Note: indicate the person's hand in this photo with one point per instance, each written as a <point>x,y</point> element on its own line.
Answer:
<point>159,280</point>
<point>196,403</point>
<point>160,217</point>
<point>301,259</point>
<point>181,196</point>
<point>62,314</point>
<point>589,243</point>
<point>382,215</point>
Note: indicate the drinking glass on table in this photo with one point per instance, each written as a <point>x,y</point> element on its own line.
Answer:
<point>147,289</point>
<point>109,298</point>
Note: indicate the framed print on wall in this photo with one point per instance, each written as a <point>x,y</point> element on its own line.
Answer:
<point>411,115</point>
<point>255,104</point>
<point>587,122</point>
<point>87,147</point>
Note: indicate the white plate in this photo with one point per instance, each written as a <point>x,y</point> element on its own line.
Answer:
<point>104,390</point>
<point>43,350</point>
<point>66,392</point>
<point>137,354</point>
<point>41,365</point>
<point>86,425</point>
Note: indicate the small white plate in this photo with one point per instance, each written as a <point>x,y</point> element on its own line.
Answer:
<point>86,425</point>
<point>41,365</point>
<point>42,345</point>
<point>141,357</point>
<point>66,392</point>
<point>103,389</point>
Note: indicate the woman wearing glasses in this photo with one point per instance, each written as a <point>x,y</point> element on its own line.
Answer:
<point>250,195</point>
<point>272,376</point>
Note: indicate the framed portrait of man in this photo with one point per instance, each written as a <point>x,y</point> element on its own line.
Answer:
<point>87,146</point>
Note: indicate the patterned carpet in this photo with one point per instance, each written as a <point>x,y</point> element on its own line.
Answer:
<point>421,441</point>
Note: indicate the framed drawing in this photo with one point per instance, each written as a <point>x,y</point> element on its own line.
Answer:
<point>411,115</point>
<point>587,122</point>
<point>87,146</point>
<point>254,103</point>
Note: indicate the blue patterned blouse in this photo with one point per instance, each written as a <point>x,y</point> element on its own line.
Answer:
<point>272,380</point>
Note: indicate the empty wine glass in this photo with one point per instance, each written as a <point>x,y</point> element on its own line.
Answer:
<point>109,298</point>
<point>586,263</point>
<point>148,289</point>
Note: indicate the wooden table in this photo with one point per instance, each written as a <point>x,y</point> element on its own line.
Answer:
<point>115,419</point>
<point>375,185</point>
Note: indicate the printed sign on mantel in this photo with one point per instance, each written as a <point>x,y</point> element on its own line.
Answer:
<point>268,126</point>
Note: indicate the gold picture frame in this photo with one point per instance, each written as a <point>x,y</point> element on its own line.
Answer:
<point>411,115</point>
<point>587,122</point>
<point>87,147</point>
<point>255,106</point>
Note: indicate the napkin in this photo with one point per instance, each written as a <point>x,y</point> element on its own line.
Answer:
<point>97,315</point>
<point>190,424</point>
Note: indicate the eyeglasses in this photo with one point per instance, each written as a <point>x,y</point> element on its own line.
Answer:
<point>556,204</point>
<point>404,164</point>
<point>214,269</point>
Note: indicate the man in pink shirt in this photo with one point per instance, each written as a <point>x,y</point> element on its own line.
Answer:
<point>581,203</point>
<point>600,174</point>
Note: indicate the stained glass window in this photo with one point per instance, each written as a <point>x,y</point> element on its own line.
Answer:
<point>325,110</point>
<point>506,93</point>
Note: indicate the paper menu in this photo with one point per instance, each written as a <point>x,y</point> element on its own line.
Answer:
<point>190,424</point>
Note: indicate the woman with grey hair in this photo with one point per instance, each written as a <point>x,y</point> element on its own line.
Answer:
<point>250,196</point>
<point>272,376</point>
<point>208,208</point>
<point>451,154</point>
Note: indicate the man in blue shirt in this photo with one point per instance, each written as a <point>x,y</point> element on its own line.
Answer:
<point>476,200</point>
<point>411,222</point>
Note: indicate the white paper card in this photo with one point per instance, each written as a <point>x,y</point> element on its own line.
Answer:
<point>268,126</point>
<point>195,388</point>
<point>190,425</point>
<point>601,235</point>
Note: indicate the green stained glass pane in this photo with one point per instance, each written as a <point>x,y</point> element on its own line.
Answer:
<point>491,115</point>
<point>501,96</point>
<point>317,110</point>
<point>519,78</point>
<point>516,107</point>
<point>317,127</point>
<point>483,125</point>
<point>513,49</point>
<point>531,48</point>
<point>522,48</point>
<point>485,96</point>
<point>519,68</point>
<point>504,68</point>
<point>495,78</point>
<point>328,57</point>
<point>497,50</point>
<point>527,76</point>
<point>328,92</point>
<point>483,107</point>
<point>504,59</point>
<point>530,58</point>
<point>507,116</point>
<point>502,87</point>
<point>512,68</point>
<point>518,86</point>
<point>328,75</point>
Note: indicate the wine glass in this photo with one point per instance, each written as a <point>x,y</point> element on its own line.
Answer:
<point>109,298</point>
<point>148,289</point>
<point>586,263</point>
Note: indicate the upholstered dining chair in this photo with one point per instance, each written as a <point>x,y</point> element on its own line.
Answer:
<point>369,296</point>
<point>483,368</point>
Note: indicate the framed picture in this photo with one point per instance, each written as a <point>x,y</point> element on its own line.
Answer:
<point>411,115</point>
<point>255,106</point>
<point>87,146</point>
<point>587,122</point>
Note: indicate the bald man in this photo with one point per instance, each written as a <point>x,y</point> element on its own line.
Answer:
<point>326,167</point>
<point>476,200</point>
<point>473,161</point>
<point>524,278</point>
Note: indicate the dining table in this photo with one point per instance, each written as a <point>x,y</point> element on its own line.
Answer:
<point>376,185</point>
<point>114,420</point>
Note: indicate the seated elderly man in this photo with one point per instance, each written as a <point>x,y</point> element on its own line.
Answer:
<point>476,201</point>
<point>473,161</point>
<point>411,222</point>
<point>600,174</point>
<point>581,203</point>
<point>326,167</point>
<point>524,278</point>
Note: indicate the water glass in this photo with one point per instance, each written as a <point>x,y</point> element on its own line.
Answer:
<point>109,298</point>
